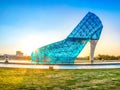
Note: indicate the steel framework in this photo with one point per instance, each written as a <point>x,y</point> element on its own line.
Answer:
<point>66,51</point>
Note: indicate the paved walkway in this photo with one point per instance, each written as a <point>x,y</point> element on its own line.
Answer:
<point>78,66</point>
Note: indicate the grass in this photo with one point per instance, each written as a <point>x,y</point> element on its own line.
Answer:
<point>37,79</point>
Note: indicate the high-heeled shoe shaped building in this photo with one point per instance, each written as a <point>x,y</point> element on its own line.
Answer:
<point>66,51</point>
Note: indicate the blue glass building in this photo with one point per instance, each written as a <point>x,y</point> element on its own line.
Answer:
<point>66,51</point>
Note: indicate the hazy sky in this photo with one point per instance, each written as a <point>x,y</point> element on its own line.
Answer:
<point>28,24</point>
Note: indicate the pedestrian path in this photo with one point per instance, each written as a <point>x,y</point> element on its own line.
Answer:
<point>78,66</point>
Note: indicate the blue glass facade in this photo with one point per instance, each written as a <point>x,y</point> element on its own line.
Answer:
<point>66,51</point>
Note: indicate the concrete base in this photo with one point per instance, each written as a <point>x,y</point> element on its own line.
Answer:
<point>51,67</point>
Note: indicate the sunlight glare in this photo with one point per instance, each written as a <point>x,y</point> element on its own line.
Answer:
<point>30,43</point>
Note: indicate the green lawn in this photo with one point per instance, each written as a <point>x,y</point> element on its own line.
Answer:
<point>37,79</point>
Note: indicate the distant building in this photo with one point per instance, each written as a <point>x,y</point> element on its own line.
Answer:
<point>19,54</point>
<point>1,57</point>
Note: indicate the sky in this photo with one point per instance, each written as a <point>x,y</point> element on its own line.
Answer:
<point>26,25</point>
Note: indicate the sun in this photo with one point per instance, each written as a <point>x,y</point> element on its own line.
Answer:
<point>30,43</point>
